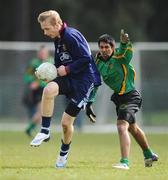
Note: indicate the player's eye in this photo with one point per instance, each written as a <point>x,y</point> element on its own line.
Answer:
<point>106,47</point>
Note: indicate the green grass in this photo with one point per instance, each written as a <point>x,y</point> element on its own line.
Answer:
<point>91,158</point>
<point>156,118</point>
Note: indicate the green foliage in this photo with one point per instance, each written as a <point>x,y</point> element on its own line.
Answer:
<point>91,157</point>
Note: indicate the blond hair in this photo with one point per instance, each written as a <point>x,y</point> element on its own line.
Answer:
<point>52,15</point>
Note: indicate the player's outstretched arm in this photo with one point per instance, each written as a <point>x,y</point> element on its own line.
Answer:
<point>124,37</point>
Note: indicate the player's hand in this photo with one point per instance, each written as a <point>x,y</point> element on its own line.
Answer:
<point>124,37</point>
<point>34,85</point>
<point>37,75</point>
<point>62,71</point>
<point>90,113</point>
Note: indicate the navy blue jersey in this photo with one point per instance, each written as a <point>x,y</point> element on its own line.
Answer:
<point>72,51</point>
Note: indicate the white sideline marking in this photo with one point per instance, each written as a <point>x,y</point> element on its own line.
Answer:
<point>100,128</point>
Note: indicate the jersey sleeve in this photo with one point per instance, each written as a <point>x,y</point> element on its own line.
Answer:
<point>124,53</point>
<point>92,96</point>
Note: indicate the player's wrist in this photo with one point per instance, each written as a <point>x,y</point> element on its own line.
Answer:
<point>89,104</point>
<point>67,69</point>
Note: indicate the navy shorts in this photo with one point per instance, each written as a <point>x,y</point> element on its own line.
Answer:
<point>76,91</point>
<point>127,105</point>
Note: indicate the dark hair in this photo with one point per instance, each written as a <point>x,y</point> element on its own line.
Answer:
<point>42,46</point>
<point>107,39</point>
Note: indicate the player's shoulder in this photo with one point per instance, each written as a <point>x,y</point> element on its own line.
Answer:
<point>71,33</point>
<point>69,30</point>
<point>98,55</point>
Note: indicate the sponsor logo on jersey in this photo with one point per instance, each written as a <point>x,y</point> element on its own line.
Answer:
<point>65,57</point>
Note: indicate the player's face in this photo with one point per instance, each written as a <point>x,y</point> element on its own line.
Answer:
<point>43,54</point>
<point>50,30</point>
<point>106,50</point>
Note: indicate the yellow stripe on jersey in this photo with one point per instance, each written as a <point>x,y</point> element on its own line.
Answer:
<point>123,87</point>
<point>122,55</point>
<point>97,61</point>
<point>134,75</point>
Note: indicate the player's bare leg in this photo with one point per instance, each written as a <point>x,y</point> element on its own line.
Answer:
<point>49,93</point>
<point>124,138</point>
<point>141,139</point>
<point>67,133</point>
<point>37,116</point>
<point>36,119</point>
<point>139,136</point>
<point>67,127</point>
<point>125,144</point>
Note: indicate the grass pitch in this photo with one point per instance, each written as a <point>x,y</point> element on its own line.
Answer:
<point>91,158</point>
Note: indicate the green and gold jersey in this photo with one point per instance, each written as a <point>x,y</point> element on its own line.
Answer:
<point>117,72</point>
<point>29,75</point>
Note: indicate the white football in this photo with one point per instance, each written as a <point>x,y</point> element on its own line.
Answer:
<point>46,71</point>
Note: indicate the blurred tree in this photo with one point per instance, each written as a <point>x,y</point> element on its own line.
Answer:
<point>157,25</point>
<point>142,19</point>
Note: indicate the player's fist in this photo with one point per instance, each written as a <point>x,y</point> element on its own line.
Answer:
<point>124,38</point>
<point>62,71</point>
<point>34,85</point>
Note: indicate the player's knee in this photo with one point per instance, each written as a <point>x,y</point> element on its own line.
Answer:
<point>67,122</point>
<point>51,90</point>
<point>132,129</point>
<point>135,130</point>
<point>122,126</point>
<point>65,126</point>
<point>47,92</point>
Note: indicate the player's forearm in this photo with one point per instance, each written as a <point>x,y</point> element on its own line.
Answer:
<point>124,52</point>
<point>93,95</point>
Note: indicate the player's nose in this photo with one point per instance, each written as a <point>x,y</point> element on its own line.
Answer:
<point>45,33</point>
